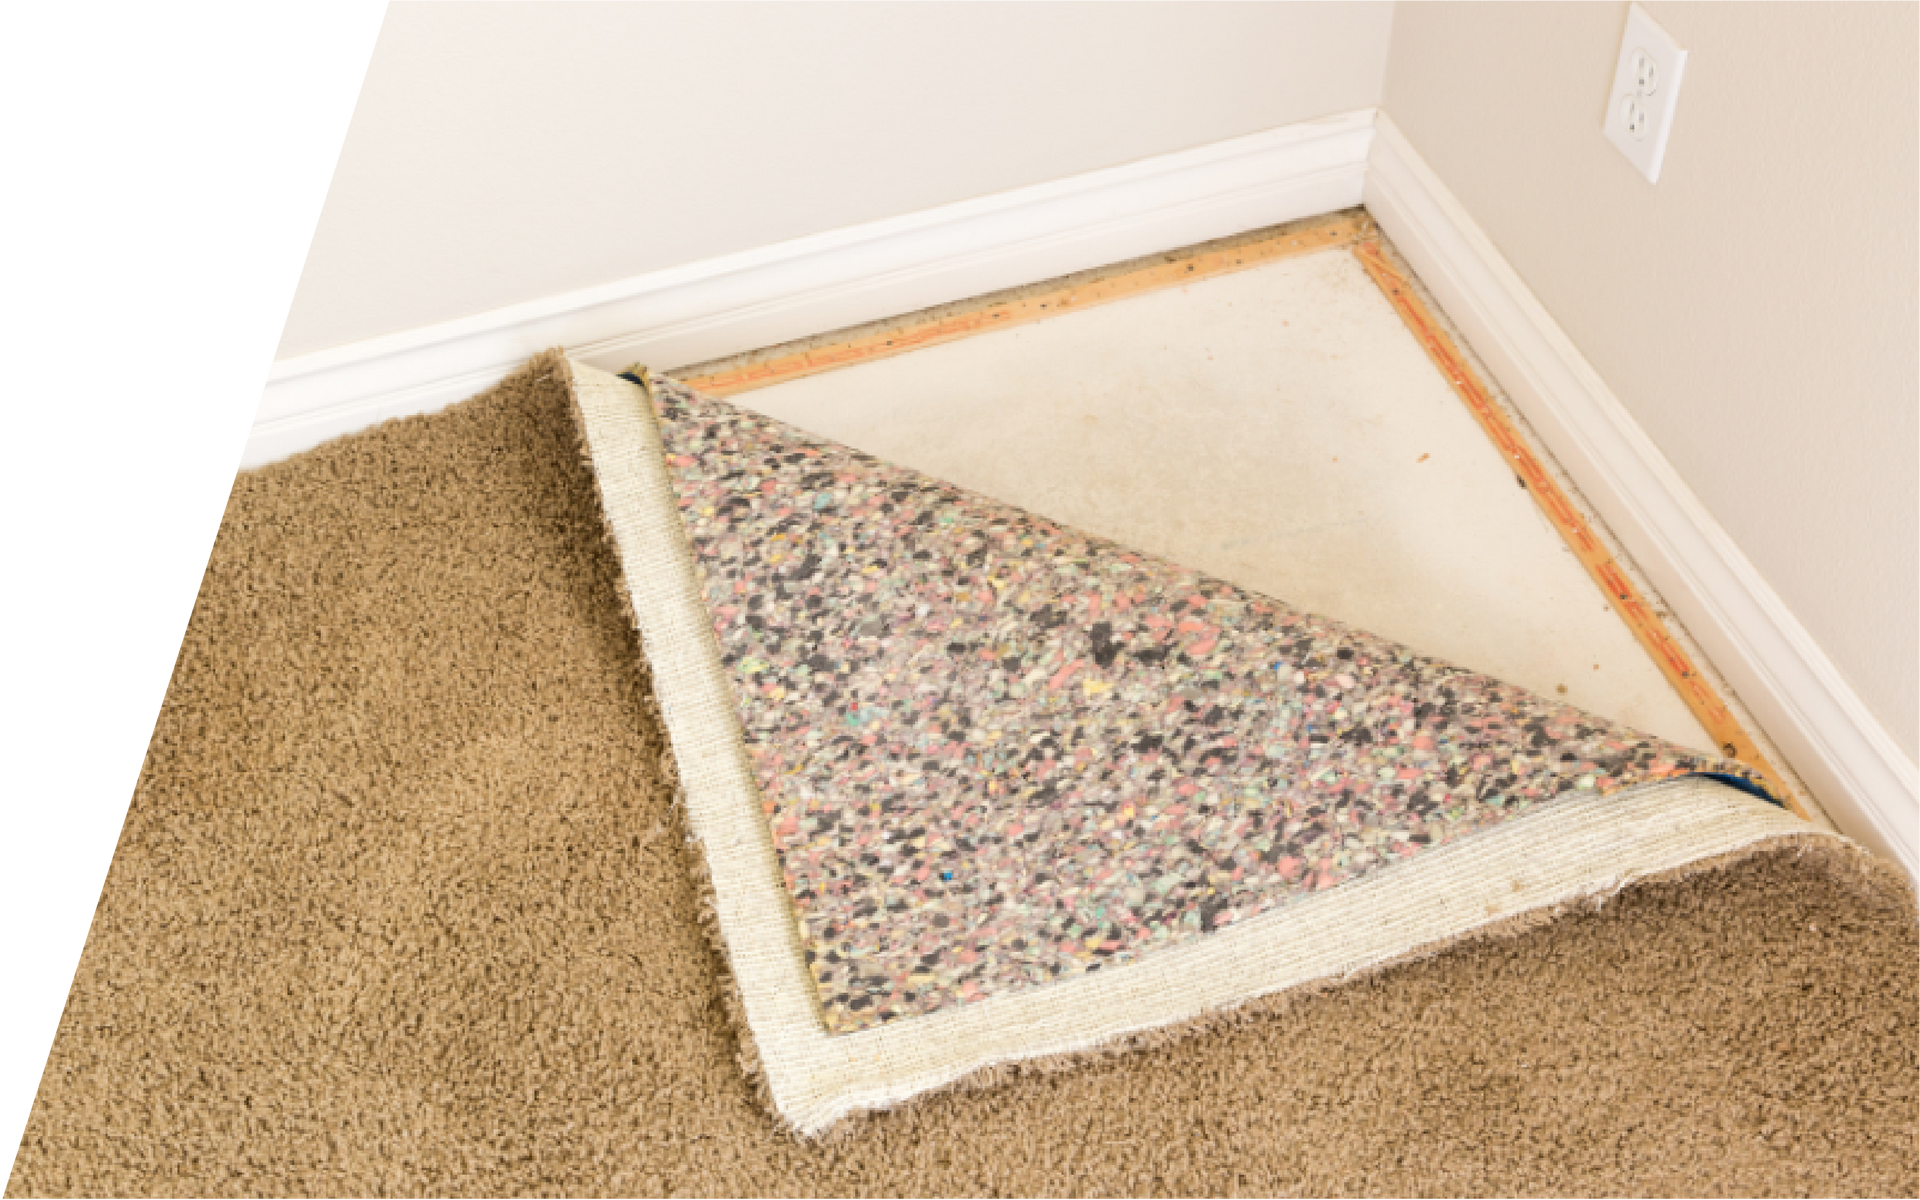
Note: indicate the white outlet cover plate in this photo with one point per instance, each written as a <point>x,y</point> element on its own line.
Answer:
<point>1640,109</point>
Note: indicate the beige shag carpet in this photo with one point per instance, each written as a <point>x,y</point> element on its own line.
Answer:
<point>401,907</point>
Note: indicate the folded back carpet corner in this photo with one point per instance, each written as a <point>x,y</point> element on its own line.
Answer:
<point>972,788</point>
<point>403,903</point>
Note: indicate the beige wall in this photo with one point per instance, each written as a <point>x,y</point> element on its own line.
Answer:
<point>1756,310</point>
<point>507,152</point>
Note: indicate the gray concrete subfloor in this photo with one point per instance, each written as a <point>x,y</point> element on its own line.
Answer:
<point>1279,428</point>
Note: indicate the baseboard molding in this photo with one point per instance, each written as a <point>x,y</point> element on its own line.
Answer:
<point>763,297</point>
<point>1833,742</point>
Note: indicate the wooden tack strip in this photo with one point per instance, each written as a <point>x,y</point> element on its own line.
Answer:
<point>1068,298</point>
<point>1667,654</point>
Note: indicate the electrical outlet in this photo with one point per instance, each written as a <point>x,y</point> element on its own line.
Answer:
<point>1646,85</point>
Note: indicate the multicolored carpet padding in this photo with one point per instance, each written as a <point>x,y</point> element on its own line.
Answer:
<point>974,788</point>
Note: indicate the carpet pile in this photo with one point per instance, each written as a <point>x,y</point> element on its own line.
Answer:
<point>402,906</point>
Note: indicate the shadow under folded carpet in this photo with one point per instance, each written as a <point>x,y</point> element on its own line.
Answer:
<point>401,906</point>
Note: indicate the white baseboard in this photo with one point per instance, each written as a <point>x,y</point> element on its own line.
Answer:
<point>811,285</point>
<point>829,281</point>
<point>1856,771</point>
